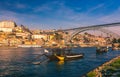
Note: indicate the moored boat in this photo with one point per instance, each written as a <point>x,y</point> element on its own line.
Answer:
<point>28,46</point>
<point>62,54</point>
<point>115,48</point>
<point>74,56</point>
<point>69,56</point>
<point>101,49</point>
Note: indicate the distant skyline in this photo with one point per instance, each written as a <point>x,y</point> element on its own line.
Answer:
<point>60,14</point>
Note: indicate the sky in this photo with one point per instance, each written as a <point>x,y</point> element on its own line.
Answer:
<point>60,14</point>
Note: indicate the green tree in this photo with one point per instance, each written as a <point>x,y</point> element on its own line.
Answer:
<point>119,40</point>
<point>114,40</point>
<point>57,37</point>
<point>86,33</point>
<point>91,74</point>
<point>76,39</point>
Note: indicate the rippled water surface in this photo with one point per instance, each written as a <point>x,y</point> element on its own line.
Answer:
<point>15,62</point>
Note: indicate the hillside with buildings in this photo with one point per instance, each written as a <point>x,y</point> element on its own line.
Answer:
<point>13,35</point>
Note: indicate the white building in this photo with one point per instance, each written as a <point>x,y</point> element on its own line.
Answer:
<point>6,29</point>
<point>23,35</point>
<point>38,36</point>
<point>7,26</point>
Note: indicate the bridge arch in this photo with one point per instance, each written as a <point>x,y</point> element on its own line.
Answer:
<point>99,29</point>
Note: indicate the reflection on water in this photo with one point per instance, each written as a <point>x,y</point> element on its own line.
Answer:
<point>13,60</point>
<point>60,62</point>
<point>14,63</point>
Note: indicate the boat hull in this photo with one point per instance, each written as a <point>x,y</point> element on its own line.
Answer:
<point>69,57</point>
<point>61,58</point>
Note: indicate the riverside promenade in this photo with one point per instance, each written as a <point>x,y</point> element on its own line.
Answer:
<point>97,72</point>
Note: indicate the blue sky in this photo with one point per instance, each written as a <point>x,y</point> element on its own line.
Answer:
<point>56,14</point>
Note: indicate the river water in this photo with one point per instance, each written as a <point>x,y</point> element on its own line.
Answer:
<point>15,62</point>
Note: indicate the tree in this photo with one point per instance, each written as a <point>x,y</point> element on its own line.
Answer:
<point>57,37</point>
<point>86,33</point>
<point>114,40</point>
<point>76,39</point>
<point>118,40</point>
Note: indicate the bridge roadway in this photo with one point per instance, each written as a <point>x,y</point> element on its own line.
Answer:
<point>95,26</point>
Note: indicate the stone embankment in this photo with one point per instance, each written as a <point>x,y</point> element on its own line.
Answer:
<point>97,71</point>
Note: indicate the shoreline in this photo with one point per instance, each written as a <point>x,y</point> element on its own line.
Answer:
<point>97,71</point>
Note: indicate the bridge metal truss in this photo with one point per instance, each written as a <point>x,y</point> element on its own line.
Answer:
<point>76,31</point>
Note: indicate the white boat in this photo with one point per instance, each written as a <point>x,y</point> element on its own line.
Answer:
<point>101,49</point>
<point>74,56</point>
<point>36,63</point>
<point>28,46</point>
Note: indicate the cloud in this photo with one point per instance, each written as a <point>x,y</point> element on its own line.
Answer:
<point>17,17</point>
<point>16,5</point>
<point>8,15</point>
<point>21,6</point>
<point>95,8</point>
<point>47,6</point>
<point>56,15</point>
<point>113,17</point>
<point>42,8</point>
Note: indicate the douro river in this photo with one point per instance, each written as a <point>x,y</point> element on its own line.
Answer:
<point>16,62</point>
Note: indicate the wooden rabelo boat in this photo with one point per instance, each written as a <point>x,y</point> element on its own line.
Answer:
<point>68,55</point>
<point>56,54</point>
